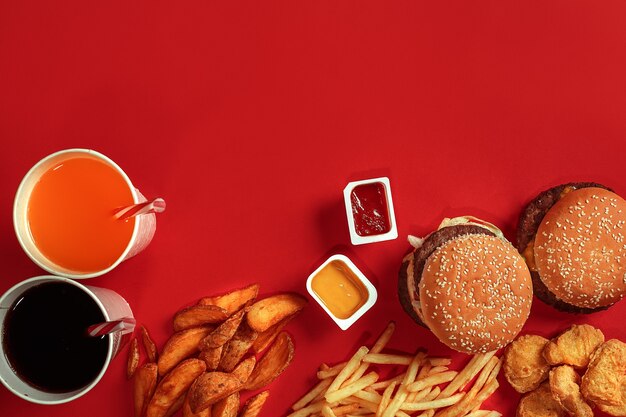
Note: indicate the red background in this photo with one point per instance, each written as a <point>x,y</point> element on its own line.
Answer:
<point>249,118</point>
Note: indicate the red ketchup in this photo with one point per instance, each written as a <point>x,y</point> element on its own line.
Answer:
<point>369,209</point>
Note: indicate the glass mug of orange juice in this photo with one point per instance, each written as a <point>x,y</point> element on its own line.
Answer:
<point>65,214</point>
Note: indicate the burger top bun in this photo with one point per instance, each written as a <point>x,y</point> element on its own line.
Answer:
<point>580,248</point>
<point>475,293</point>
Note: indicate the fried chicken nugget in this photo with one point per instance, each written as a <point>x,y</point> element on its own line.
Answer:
<point>604,383</point>
<point>564,384</point>
<point>574,346</point>
<point>524,365</point>
<point>539,403</point>
<point>616,410</point>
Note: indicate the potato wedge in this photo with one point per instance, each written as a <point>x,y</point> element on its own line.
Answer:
<point>228,407</point>
<point>177,406</point>
<point>148,345</point>
<point>211,357</point>
<point>180,345</point>
<point>272,364</point>
<point>236,348</point>
<point>195,316</point>
<point>173,386</point>
<point>211,387</point>
<point>224,332</point>
<point>253,406</point>
<point>267,337</point>
<point>244,369</point>
<point>271,310</point>
<point>133,358</point>
<point>144,384</point>
<point>187,409</point>
<point>234,300</point>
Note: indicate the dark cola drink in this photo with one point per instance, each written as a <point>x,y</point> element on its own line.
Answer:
<point>45,339</point>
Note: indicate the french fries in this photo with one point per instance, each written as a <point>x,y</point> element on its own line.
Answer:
<point>350,367</point>
<point>402,393</point>
<point>173,386</point>
<point>386,399</point>
<point>206,364</point>
<point>432,404</point>
<point>473,367</point>
<point>386,383</point>
<point>358,385</point>
<point>440,361</point>
<point>309,410</point>
<point>387,359</point>
<point>320,388</point>
<point>380,344</point>
<point>328,372</point>
<point>426,387</point>
<point>431,380</point>
<point>272,364</point>
<point>269,311</point>
<point>484,413</point>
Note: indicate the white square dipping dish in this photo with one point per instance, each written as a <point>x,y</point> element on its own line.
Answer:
<point>372,294</point>
<point>355,237</point>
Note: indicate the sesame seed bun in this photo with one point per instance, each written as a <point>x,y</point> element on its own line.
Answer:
<point>529,221</point>
<point>412,267</point>
<point>580,248</point>
<point>475,293</point>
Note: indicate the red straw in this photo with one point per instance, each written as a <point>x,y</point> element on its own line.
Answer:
<point>154,206</point>
<point>124,325</point>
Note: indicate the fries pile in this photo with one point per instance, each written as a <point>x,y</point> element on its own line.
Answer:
<point>212,356</point>
<point>352,389</point>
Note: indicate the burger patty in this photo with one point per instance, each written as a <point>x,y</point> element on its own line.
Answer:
<point>403,291</point>
<point>529,222</point>
<point>421,255</point>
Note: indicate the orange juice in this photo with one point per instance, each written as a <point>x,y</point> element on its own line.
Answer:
<point>71,214</point>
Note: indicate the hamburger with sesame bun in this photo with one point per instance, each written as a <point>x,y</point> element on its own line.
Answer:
<point>467,284</point>
<point>573,239</point>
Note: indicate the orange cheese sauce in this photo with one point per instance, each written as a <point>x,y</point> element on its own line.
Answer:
<point>341,291</point>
